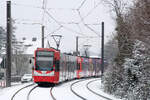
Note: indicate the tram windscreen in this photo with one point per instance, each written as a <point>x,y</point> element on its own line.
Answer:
<point>44,60</point>
<point>44,54</point>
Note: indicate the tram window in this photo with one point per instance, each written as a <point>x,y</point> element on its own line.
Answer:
<point>44,63</point>
<point>44,54</point>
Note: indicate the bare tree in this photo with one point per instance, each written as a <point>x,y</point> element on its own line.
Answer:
<point>141,20</point>
<point>114,77</point>
<point>117,6</point>
<point>133,35</point>
<point>110,54</point>
<point>123,31</point>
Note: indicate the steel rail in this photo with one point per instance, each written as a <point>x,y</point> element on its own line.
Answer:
<point>52,94</point>
<point>87,85</point>
<point>71,87</point>
<point>12,98</point>
<point>28,96</point>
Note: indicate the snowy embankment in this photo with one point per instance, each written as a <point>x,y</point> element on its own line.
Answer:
<point>60,92</point>
<point>96,86</point>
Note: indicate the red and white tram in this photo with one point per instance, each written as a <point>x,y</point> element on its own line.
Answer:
<point>51,66</point>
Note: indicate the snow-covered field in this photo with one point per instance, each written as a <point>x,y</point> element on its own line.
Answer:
<point>60,92</point>
<point>7,93</point>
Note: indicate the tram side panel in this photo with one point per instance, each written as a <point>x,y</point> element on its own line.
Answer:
<point>98,67</point>
<point>94,66</point>
<point>74,67</point>
<point>62,71</point>
<point>79,68</point>
<point>67,67</point>
<point>56,66</point>
<point>91,67</point>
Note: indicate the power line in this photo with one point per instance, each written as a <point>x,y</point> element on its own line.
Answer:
<point>59,27</point>
<point>38,7</point>
<point>53,18</point>
<point>90,11</point>
<point>80,15</point>
<point>81,4</point>
<point>69,29</point>
<point>86,24</point>
<point>92,30</point>
<point>93,24</point>
<point>82,19</point>
<point>68,22</point>
<point>88,37</point>
<point>32,6</point>
<point>63,25</point>
<point>18,19</point>
<point>54,31</point>
<point>28,23</point>
<point>44,7</point>
<point>62,9</point>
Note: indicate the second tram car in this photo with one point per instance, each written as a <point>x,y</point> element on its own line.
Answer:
<point>51,66</point>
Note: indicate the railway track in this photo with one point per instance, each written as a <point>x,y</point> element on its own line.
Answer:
<point>52,94</point>
<point>28,95</point>
<point>87,85</point>
<point>12,98</point>
<point>71,87</point>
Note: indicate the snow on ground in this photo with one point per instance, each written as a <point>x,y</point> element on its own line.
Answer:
<point>97,87</point>
<point>41,93</point>
<point>7,93</point>
<point>60,92</point>
<point>63,92</point>
<point>82,90</point>
<point>22,95</point>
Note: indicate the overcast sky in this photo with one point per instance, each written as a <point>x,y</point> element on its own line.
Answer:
<point>60,17</point>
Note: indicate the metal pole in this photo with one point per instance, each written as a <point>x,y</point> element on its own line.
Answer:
<point>17,62</point>
<point>102,50</point>
<point>8,45</point>
<point>42,36</point>
<point>57,46</point>
<point>48,44</point>
<point>77,45</point>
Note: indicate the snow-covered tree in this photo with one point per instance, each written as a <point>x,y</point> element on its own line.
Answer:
<point>128,76</point>
<point>133,83</point>
<point>137,72</point>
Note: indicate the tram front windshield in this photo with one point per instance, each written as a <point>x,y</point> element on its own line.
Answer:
<point>44,60</point>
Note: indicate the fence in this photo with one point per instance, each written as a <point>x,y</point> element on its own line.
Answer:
<point>2,83</point>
